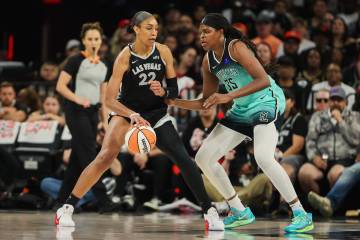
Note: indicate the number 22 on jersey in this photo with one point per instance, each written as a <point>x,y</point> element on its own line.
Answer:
<point>146,77</point>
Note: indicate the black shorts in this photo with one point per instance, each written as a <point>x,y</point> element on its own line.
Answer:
<point>152,116</point>
<point>248,130</point>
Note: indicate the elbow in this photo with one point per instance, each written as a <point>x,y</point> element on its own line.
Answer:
<point>108,102</point>
<point>265,82</point>
<point>58,88</point>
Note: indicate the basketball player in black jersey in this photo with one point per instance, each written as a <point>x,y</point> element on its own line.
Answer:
<point>139,70</point>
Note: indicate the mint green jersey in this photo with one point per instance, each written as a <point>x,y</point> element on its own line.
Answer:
<point>259,107</point>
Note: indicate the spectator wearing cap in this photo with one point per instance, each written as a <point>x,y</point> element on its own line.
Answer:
<point>333,78</point>
<point>264,27</point>
<point>121,36</point>
<point>241,27</point>
<point>290,37</point>
<point>291,46</point>
<point>331,142</point>
<point>72,47</point>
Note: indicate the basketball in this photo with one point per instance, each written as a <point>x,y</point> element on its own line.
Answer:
<point>140,139</point>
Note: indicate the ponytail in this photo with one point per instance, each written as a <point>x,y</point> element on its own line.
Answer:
<point>218,21</point>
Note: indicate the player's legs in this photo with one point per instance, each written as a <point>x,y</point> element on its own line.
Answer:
<point>265,140</point>
<point>170,143</point>
<point>113,140</point>
<point>220,141</point>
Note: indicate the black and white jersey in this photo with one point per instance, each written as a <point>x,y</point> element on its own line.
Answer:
<point>86,77</point>
<point>135,91</point>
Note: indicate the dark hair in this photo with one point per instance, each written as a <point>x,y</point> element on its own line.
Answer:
<point>90,26</point>
<point>289,94</point>
<point>345,34</point>
<point>138,18</point>
<point>6,84</point>
<point>307,53</point>
<point>286,61</point>
<point>218,21</point>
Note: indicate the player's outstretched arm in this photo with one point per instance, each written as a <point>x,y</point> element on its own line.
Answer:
<point>210,86</point>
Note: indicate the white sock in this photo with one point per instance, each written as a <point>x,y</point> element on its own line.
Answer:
<point>236,203</point>
<point>296,206</point>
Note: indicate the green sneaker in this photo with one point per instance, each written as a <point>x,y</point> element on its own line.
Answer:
<point>302,222</point>
<point>322,204</point>
<point>238,218</point>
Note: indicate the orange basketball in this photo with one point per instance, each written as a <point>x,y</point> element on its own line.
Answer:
<point>140,139</point>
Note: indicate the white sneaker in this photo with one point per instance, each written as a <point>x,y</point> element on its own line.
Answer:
<point>63,217</point>
<point>222,208</point>
<point>153,204</point>
<point>213,221</point>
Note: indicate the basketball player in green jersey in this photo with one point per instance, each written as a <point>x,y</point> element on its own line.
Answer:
<point>258,105</point>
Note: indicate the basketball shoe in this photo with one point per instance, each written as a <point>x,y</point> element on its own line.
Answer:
<point>302,222</point>
<point>239,218</point>
<point>212,221</point>
<point>63,217</point>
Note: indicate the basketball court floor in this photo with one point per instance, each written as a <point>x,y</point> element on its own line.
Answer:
<point>29,225</point>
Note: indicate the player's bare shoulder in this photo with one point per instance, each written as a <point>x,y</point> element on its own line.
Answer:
<point>164,50</point>
<point>123,57</point>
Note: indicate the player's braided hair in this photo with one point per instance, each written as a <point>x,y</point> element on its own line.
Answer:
<point>218,21</point>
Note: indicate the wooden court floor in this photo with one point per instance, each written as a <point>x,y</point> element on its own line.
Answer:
<point>31,225</point>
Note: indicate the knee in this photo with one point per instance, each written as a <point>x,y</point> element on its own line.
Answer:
<point>200,158</point>
<point>263,159</point>
<point>335,173</point>
<point>305,173</point>
<point>333,177</point>
<point>289,170</point>
<point>106,157</point>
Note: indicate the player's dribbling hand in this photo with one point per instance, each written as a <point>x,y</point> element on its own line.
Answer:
<point>156,87</point>
<point>137,120</point>
<point>216,98</point>
<point>83,102</point>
